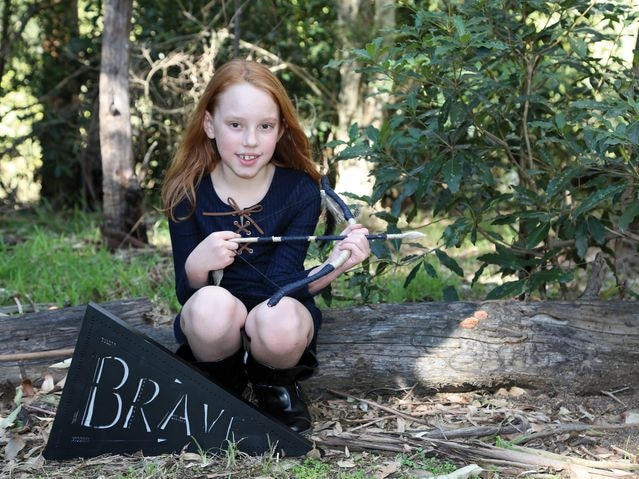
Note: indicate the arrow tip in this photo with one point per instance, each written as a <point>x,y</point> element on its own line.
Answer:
<point>413,235</point>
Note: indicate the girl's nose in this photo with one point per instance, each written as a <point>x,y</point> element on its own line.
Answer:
<point>250,138</point>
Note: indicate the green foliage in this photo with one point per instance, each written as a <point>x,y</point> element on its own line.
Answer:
<point>176,49</point>
<point>55,61</point>
<point>506,120</point>
<point>45,260</point>
<point>312,469</point>
<point>419,460</point>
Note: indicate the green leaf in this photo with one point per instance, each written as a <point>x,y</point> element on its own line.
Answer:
<point>581,239</point>
<point>356,151</point>
<point>430,269</point>
<point>390,219</point>
<point>595,199</point>
<point>7,422</point>
<point>449,262</point>
<point>537,235</point>
<point>455,234</point>
<point>629,215</point>
<point>379,249</point>
<point>560,120</point>
<point>559,182</point>
<point>452,171</point>
<point>450,293</point>
<point>353,131</point>
<point>411,275</point>
<point>543,277</point>
<point>460,27</point>
<point>372,134</point>
<point>597,230</point>
<point>506,259</point>
<point>578,46</point>
<point>362,54</point>
<point>510,289</point>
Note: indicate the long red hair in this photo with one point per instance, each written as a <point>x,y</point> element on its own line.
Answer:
<point>196,156</point>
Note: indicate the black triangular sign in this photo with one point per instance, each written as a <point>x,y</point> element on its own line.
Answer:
<point>126,393</point>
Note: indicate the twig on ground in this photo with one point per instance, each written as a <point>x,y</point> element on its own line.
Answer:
<point>381,407</point>
<point>611,394</point>
<point>53,353</point>
<point>570,428</point>
<point>475,451</point>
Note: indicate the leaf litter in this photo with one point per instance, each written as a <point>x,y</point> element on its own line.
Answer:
<point>508,433</point>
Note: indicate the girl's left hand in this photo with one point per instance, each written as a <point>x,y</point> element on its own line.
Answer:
<point>356,242</point>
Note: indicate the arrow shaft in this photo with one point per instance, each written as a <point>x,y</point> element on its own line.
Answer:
<point>311,239</point>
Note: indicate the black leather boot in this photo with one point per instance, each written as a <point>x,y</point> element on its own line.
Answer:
<point>278,393</point>
<point>230,373</point>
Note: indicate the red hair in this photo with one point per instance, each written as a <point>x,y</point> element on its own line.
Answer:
<point>196,155</point>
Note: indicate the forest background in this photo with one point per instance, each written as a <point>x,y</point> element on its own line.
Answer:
<point>507,131</point>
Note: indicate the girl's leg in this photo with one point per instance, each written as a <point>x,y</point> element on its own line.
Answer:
<point>279,358</point>
<point>212,320</point>
<point>280,334</point>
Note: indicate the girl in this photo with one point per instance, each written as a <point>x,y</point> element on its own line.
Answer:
<point>244,168</point>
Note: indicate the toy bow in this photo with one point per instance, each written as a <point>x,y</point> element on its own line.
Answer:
<point>345,212</point>
<point>341,212</point>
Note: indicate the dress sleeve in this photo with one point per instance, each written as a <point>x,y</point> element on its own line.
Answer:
<point>287,263</point>
<point>185,236</point>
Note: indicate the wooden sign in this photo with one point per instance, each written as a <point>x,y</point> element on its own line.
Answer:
<point>126,393</point>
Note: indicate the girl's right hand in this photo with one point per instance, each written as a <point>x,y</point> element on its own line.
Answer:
<point>217,252</point>
<point>214,252</point>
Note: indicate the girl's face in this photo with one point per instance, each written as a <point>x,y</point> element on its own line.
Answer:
<point>246,127</point>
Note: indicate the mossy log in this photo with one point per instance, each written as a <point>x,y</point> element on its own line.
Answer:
<point>581,346</point>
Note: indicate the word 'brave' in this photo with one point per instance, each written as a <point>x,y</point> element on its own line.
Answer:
<point>107,405</point>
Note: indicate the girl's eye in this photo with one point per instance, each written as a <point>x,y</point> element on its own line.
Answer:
<point>267,126</point>
<point>234,124</point>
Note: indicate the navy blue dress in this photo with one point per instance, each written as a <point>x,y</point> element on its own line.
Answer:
<point>291,206</point>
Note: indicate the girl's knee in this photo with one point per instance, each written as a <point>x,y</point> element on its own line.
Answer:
<point>211,311</point>
<point>289,327</point>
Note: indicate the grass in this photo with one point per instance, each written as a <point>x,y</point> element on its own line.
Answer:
<point>58,258</point>
<point>45,258</point>
<point>359,466</point>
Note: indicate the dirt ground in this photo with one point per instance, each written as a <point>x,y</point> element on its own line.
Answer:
<point>512,433</point>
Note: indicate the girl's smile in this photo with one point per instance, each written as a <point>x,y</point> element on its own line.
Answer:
<point>246,126</point>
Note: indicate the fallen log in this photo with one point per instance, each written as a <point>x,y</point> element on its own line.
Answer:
<point>582,346</point>
<point>31,343</point>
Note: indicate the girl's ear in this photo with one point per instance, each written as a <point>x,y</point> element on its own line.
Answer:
<point>207,125</point>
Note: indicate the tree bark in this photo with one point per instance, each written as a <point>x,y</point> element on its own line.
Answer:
<point>353,174</point>
<point>51,334</point>
<point>583,346</point>
<point>122,198</point>
<point>360,101</point>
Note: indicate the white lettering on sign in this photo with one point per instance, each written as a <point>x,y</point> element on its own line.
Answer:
<point>95,385</point>
<point>108,406</point>
<point>137,404</point>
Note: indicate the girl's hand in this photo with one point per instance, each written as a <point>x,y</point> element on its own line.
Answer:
<point>214,252</point>
<point>356,242</point>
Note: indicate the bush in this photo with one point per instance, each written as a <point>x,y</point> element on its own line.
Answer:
<point>508,120</point>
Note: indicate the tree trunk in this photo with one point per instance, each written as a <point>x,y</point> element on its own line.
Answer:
<point>359,101</point>
<point>121,192</point>
<point>584,346</point>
